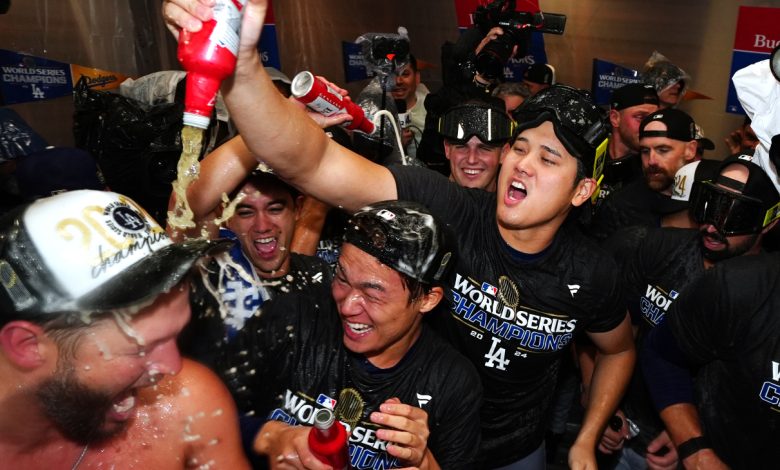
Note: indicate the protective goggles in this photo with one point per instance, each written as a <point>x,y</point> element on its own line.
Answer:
<point>490,125</point>
<point>578,123</point>
<point>729,212</point>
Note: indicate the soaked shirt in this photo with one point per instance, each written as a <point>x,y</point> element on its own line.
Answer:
<point>634,204</point>
<point>666,261</point>
<point>619,172</point>
<point>513,316</point>
<point>728,324</point>
<point>211,328</point>
<point>299,365</point>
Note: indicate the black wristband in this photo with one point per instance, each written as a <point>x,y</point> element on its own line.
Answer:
<point>691,446</point>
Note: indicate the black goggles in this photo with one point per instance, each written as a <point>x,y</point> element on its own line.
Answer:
<point>578,123</point>
<point>490,125</point>
<point>729,212</point>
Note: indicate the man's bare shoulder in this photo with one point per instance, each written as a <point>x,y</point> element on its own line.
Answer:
<point>185,421</point>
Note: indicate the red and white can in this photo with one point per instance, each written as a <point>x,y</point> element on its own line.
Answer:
<point>318,96</point>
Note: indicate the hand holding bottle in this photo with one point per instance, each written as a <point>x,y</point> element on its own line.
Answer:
<point>405,428</point>
<point>287,447</point>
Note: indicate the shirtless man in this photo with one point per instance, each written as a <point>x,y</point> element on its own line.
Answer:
<point>93,296</point>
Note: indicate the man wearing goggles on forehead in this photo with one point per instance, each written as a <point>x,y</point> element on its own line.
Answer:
<point>523,288</point>
<point>474,135</point>
<point>734,210</point>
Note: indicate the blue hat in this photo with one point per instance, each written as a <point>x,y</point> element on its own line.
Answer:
<point>54,170</point>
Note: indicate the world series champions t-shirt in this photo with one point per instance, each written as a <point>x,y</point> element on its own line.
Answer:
<point>665,262</point>
<point>300,364</point>
<point>728,323</point>
<point>514,318</point>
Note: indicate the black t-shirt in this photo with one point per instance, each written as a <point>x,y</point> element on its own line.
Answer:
<point>300,364</point>
<point>728,322</point>
<point>618,173</point>
<point>512,317</point>
<point>634,204</point>
<point>206,336</point>
<point>666,261</point>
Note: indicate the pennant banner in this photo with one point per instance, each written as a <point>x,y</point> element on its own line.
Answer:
<point>607,76</point>
<point>26,78</point>
<point>354,62</point>
<point>756,35</point>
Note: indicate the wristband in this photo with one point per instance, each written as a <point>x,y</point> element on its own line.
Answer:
<point>691,446</point>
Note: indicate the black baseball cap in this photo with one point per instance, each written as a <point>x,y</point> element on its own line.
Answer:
<point>733,207</point>
<point>405,236</point>
<point>54,170</point>
<point>706,143</point>
<point>543,74</point>
<point>679,125</point>
<point>88,251</point>
<point>633,94</point>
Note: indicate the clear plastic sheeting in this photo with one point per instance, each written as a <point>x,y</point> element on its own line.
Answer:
<point>661,73</point>
<point>124,36</point>
<point>16,137</point>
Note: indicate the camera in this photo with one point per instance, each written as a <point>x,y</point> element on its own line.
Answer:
<point>517,27</point>
<point>384,52</point>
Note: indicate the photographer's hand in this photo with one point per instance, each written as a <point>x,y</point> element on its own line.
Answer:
<point>491,35</point>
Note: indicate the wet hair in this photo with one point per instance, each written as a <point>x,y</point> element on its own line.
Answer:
<point>512,89</point>
<point>416,288</point>
<point>264,179</point>
<point>66,329</point>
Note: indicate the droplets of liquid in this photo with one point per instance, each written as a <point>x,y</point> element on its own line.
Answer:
<point>122,321</point>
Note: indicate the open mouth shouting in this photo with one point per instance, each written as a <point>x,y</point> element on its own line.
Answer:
<point>123,407</point>
<point>516,192</point>
<point>266,247</point>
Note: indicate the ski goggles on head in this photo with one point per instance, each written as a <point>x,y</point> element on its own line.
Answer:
<point>579,124</point>
<point>490,125</point>
<point>730,212</point>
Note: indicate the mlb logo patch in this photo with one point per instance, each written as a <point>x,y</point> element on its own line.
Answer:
<point>326,401</point>
<point>673,294</point>
<point>489,289</point>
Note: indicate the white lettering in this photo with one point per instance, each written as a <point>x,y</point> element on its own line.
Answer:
<point>762,41</point>
<point>496,355</point>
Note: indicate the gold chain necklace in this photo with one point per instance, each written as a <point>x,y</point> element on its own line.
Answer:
<point>80,457</point>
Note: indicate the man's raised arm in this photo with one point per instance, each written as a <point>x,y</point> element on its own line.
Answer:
<point>280,133</point>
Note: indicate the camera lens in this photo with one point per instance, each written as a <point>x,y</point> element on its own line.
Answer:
<point>492,58</point>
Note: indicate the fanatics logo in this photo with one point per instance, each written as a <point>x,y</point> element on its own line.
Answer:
<point>573,288</point>
<point>423,400</point>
